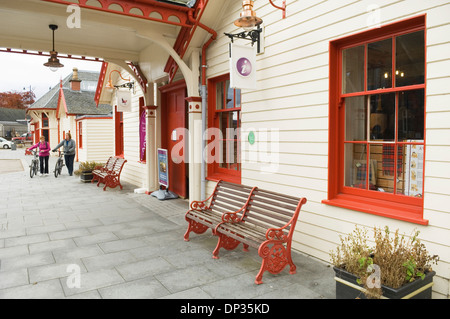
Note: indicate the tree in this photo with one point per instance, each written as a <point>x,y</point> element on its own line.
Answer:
<point>17,100</point>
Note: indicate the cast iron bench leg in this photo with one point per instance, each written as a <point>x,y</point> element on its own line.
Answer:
<point>274,258</point>
<point>226,242</point>
<point>196,227</point>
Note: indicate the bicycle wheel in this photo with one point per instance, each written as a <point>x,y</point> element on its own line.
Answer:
<point>36,168</point>
<point>57,169</point>
<point>32,169</point>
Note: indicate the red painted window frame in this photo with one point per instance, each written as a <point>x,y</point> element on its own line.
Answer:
<point>393,206</point>
<point>118,116</point>
<point>215,172</point>
<point>80,134</point>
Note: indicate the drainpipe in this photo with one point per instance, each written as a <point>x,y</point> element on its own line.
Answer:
<point>203,96</point>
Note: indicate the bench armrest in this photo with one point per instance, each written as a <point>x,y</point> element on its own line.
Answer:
<point>200,204</point>
<point>277,234</point>
<point>197,204</point>
<point>233,217</point>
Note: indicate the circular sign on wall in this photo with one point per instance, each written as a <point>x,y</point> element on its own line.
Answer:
<point>244,66</point>
<point>251,137</point>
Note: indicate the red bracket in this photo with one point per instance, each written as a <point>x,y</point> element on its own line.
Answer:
<point>282,8</point>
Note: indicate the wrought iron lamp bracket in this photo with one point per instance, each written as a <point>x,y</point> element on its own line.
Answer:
<point>253,35</point>
<point>129,85</point>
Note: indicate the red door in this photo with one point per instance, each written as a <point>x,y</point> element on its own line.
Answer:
<point>173,124</point>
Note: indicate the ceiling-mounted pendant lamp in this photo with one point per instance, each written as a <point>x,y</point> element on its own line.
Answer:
<point>53,62</point>
<point>248,19</point>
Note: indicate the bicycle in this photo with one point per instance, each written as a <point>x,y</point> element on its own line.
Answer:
<point>34,164</point>
<point>59,164</point>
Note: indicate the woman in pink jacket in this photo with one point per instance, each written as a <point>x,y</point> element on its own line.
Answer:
<point>44,153</point>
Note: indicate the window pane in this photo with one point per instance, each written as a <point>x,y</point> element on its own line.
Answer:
<point>355,165</point>
<point>382,117</point>
<point>238,98</point>
<point>353,70</point>
<point>411,115</point>
<point>410,177</point>
<point>379,65</point>
<point>410,59</point>
<point>355,119</point>
<point>229,126</point>
<point>219,96</point>
<point>382,162</point>
<point>230,96</point>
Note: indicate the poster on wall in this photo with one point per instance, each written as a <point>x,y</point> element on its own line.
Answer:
<point>163,177</point>
<point>242,66</point>
<point>414,169</point>
<point>124,101</point>
<point>163,168</point>
<point>142,136</point>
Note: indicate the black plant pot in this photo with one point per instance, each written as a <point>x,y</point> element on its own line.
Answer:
<point>86,176</point>
<point>348,288</point>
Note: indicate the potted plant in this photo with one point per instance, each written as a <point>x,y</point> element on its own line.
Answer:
<point>396,267</point>
<point>85,170</point>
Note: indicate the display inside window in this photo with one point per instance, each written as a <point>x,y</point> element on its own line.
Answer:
<point>384,132</point>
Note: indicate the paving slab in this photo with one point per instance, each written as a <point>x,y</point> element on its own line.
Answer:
<point>60,238</point>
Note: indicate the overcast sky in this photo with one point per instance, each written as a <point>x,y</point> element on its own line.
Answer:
<point>20,71</point>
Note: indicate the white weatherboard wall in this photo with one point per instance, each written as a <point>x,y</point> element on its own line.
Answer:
<point>292,97</point>
<point>134,171</point>
<point>98,140</point>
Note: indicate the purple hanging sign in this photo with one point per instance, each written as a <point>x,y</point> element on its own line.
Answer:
<point>142,135</point>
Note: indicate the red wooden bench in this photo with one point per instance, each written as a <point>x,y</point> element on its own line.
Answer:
<point>226,197</point>
<point>110,173</point>
<point>267,224</point>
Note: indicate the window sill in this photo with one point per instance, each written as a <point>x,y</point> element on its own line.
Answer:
<point>227,178</point>
<point>404,212</point>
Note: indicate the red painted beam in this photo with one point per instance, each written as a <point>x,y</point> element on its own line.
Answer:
<point>64,56</point>
<point>160,11</point>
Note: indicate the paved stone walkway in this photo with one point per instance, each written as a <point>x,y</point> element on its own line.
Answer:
<point>124,245</point>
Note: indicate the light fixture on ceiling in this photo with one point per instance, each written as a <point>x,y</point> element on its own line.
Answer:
<point>110,86</point>
<point>53,62</point>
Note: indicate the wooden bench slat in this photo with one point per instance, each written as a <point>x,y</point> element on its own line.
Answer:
<point>273,203</point>
<point>269,194</point>
<point>237,200</point>
<point>242,197</point>
<point>255,211</point>
<point>262,209</point>
<point>263,222</point>
<point>236,186</point>
<point>251,236</point>
<point>227,208</point>
<point>232,189</point>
